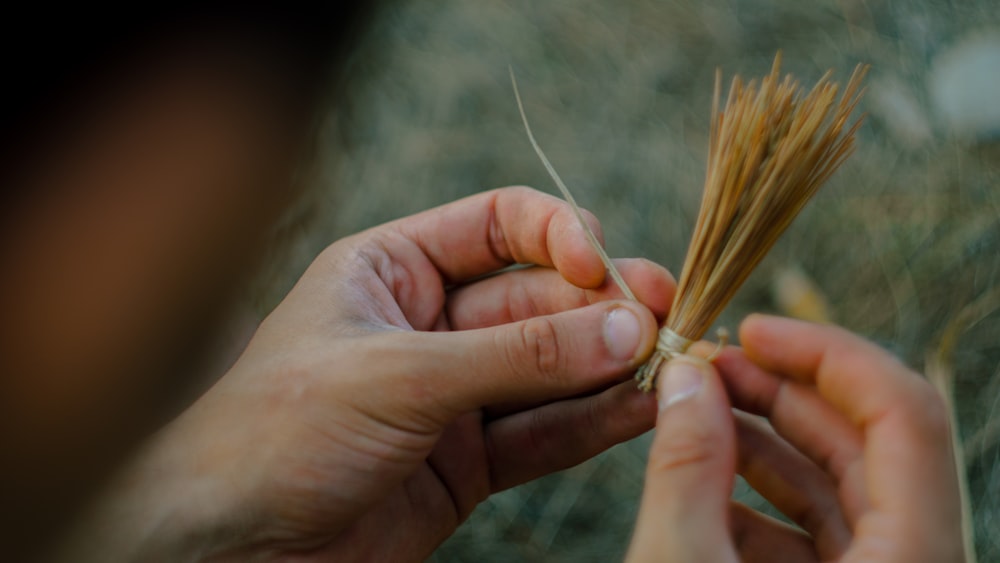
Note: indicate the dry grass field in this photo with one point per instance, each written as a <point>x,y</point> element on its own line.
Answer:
<point>901,241</point>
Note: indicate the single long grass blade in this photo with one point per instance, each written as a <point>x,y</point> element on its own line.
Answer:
<point>615,275</point>
<point>942,376</point>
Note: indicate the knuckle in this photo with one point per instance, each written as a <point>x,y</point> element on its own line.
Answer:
<point>539,347</point>
<point>694,449</point>
<point>538,436</point>
<point>521,303</point>
<point>503,248</point>
<point>595,419</point>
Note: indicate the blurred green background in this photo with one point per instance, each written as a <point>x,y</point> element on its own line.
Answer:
<point>901,240</point>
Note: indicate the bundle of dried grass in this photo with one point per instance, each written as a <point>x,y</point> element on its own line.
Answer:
<point>770,149</point>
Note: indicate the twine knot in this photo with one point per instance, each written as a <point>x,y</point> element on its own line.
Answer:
<point>669,345</point>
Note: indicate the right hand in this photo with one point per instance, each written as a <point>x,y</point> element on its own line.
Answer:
<point>859,455</point>
<point>397,386</point>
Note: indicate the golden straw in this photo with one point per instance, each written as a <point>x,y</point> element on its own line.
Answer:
<point>769,151</point>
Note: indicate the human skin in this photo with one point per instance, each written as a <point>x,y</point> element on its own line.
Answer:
<point>857,452</point>
<point>142,208</point>
<point>395,388</point>
<point>374,408</point>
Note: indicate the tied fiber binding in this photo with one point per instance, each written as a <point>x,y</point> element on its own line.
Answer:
<point>668,346</point>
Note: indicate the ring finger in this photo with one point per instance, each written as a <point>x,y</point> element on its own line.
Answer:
<point>793,484</point>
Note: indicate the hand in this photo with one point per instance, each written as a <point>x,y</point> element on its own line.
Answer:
<point>395,388</point>
<point>859,455</point>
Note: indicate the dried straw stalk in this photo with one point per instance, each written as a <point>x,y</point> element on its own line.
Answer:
<point>770,149</point>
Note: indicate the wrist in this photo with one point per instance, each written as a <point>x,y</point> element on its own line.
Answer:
<point>165,503</point>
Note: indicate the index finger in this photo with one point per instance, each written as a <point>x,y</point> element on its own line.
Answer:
<point>862,380</point>
<point>482,233</point>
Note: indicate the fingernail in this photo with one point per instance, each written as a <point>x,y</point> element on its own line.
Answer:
<point>679,381</point>
<point>622,333</point>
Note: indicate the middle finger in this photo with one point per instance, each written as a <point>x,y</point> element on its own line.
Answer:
<point>520,294</point>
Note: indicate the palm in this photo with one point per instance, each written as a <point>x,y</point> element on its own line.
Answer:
<point>414,478</point>
<point>427,506</point>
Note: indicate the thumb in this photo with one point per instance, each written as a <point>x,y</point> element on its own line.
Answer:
<point>685,504</point>
<point>536,360</point>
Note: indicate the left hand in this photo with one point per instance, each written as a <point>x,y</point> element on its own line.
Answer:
<point>395,388</point>
<point>857,453</point>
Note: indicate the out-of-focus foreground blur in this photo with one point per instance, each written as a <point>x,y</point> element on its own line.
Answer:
<point>902,244</point>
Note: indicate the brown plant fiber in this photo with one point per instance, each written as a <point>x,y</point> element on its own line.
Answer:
<point>770,149</point>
